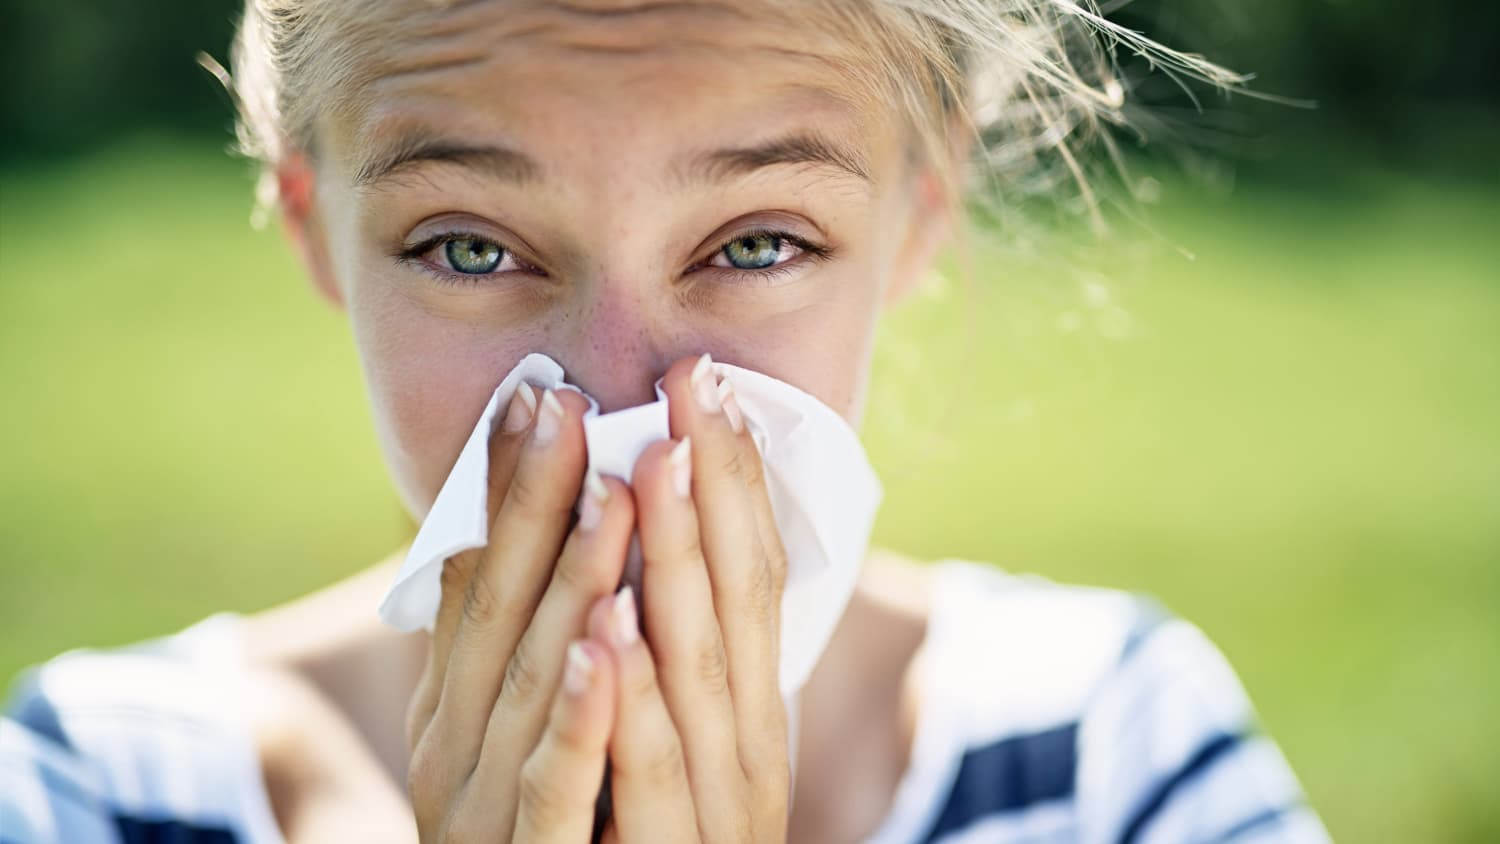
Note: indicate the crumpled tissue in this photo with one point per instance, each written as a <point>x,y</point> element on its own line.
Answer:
<point>823,492</point>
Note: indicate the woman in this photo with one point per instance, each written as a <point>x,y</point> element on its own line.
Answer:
<point>638,190</point>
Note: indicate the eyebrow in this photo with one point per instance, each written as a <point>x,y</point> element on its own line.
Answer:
<point>412,148</point>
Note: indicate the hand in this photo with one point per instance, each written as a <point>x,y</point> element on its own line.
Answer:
<point>501,749</point>
<point>699,746</point>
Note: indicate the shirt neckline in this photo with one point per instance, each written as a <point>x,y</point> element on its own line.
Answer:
<point>936,741</point>
<point>219,639</point>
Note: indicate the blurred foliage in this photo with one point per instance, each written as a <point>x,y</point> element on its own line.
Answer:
<point>78,72</point>
<point>1289,438</point>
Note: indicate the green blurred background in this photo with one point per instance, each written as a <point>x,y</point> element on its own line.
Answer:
<point>1274,405</point>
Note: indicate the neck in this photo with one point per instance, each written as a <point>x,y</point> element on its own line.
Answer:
<point>849,728</point>
<point>365,669</point>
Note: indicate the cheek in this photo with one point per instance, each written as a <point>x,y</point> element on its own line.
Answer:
<point>428,378</point>
<point>823,347</point>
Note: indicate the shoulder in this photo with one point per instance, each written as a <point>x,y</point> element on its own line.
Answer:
<point>147,739</point>
<point>1096,714</point>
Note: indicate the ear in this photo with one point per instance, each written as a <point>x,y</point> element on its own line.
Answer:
<point>296,184</point>
<point>930,220</point>
<point>927,228</point>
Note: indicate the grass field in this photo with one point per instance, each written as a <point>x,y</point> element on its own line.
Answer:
<point>1292,439</point>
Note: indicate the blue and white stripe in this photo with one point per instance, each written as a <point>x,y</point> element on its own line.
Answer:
<point>1049,713</point>
<point>147,743</point>
<point>1070,714</point>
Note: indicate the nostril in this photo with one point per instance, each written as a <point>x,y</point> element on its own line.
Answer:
<point>613,382</point>
<point>620,392</point>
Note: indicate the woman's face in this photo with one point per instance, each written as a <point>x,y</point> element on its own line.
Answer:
<point>615,187</point>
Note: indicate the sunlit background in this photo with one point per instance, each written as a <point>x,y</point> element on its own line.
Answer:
<point>1273,402</point>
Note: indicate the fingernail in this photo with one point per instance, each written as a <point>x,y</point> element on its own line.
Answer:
<point>595,493</point>
<point>522,406</point>
<point>579,671</point>
<point>702,383</point>
<point>549,420</point>
<point>622,621</point>
<point>682,467</point>
<point>731,407</point>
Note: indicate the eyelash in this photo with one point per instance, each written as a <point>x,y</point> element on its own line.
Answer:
<point>412,255</point>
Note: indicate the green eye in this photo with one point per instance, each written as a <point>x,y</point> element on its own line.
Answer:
<point>753,252</point>
<point>472,255</point>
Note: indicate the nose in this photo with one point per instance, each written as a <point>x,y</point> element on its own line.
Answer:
<point>615,346</point>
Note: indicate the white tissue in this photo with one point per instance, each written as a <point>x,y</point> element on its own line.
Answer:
<point>823,492</point>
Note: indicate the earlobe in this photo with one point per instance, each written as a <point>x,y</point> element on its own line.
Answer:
<point>303,222</point>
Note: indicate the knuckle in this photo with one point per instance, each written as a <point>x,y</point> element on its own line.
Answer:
<point>456,572</point>
<point>732,464</point>
<point>760,594</point>
<point>713,668</point>
<point>574,574</point>
<point>753,469</point>
<point>689,547</point>
<point>529,496</point>
<point>523,679</point>
<point>664,766</point>
<point>768,780</point>
<point>481,602</point>
<point>637,685</point>
<point>541,799</point>
<point>776,565</point>
<point>522,493</point>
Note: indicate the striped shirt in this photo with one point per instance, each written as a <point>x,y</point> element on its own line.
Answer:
<point>1050,713</point>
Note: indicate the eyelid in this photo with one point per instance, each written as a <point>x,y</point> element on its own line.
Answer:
<point>413,255</point>
<point>808,251</point>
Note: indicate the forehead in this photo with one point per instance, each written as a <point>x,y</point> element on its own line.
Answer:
<point>577,80</point>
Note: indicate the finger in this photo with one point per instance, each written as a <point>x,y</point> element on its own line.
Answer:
<point>747,592</point>
<point>510,576</point>
<point>751,468</point>
<point>560,780</point>
<point>504,447</point>
<point>588,569</point>
<point>765,753</point>
<point>726,465</point>
<point>648,775</point>
<point>758,488</point>
<point>684,635</point>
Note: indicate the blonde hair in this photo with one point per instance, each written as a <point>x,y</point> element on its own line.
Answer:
<point>1031,85</point>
